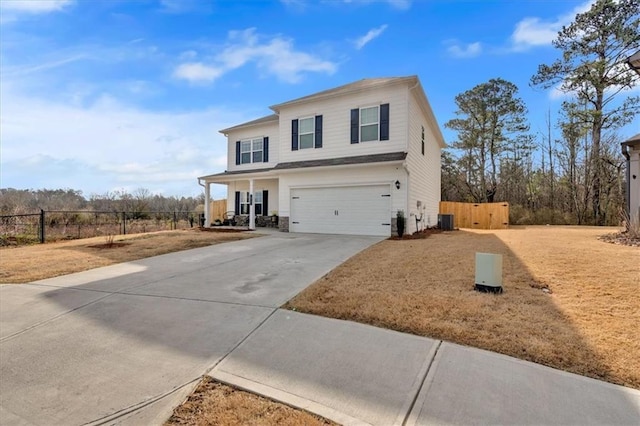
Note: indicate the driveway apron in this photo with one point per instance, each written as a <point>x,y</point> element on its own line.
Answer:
<point>125,343</point>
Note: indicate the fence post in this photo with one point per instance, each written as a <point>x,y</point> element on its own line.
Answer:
<point>42,226</point>
<point>175,221</point>
<point>124,223</point>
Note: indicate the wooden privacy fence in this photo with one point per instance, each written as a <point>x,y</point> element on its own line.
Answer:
<point>218,209</point>
<point>477,215</point>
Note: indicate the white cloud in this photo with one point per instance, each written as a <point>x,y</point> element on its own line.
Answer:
<point>188,54</point>
<point>297,4</point>
<point>397,4</point>
<point>109,145</point>
<point>35,6</point>
<point>197,72</point>
<point>185,6</point>
<point>458,50</point>
<point>372,34</point>
<point>534,31</point>
<point>277,56</point>
<point>56,63</point>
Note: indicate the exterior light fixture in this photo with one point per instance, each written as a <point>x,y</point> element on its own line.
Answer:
<point>397,184</point>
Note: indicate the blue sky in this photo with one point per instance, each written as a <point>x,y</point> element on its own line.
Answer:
<point>118,95</point>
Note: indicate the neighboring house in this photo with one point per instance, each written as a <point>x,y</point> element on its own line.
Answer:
<point>631,151</point>
<point>341,161</point>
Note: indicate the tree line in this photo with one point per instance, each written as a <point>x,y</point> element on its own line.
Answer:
<point>138,203</point>
<point>574,172</point>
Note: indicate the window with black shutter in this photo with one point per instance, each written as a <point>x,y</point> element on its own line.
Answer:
<point>306,133</point>
<point>370,124</point>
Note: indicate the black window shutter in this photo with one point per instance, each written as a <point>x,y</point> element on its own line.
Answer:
<point>237,209</point>
<point>355,124</point>
<point>237,153</point>
<point>294,135</point>
<point>318,142</point>
<point>384,122</point>
<point>265,149</point>
<point>265,203</point>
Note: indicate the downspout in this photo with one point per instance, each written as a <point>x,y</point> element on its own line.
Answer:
<point>625,152</point>
<point>406,169</point>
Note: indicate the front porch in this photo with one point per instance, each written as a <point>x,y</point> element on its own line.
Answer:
<point>252,199</point>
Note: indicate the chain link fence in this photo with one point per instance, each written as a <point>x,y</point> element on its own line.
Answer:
<point>48,226</point>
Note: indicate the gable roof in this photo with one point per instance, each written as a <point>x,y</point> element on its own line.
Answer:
<point>360,85</point>
<point>262,120</point>
<point>632,141</point>
<point>412,81</point>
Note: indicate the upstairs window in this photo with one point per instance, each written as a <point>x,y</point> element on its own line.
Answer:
<point>369,121</point>
<point>306,133</point>
<point>370,124</point>
<point>254,150</point>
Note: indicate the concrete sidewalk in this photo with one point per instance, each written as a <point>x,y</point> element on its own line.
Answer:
<point>357,374</point>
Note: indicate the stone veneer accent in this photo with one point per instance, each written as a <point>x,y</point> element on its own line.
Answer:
<point>284,224</point>
<point>261,221</point>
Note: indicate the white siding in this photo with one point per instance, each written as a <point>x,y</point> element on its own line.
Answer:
<point>270,185</point>
<point>269,129</point>
<point>424,170</point>
<point>345,176</point>
<point>336,132</point>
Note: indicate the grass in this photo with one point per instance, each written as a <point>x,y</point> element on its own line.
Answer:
<point>585,321</point>
<point>36,262</point>
<point>213,403</point>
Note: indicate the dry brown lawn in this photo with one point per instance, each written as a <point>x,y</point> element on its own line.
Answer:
<point>36,262</point>
<point>589,324</point>
<point>213,403</point>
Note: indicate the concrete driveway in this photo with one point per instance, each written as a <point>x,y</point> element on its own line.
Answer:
<point>127,342</point>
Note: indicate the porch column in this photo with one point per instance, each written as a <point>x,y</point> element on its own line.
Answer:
<point>207,205</point>
<point>252,209</point>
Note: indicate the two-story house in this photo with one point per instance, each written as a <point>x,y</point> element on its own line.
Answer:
<point>341,161</point>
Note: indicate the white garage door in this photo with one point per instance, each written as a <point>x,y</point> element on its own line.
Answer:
<point>354,210</point>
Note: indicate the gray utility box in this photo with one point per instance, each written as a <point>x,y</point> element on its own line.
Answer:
<point>489,272</point>
<point>445,222</point>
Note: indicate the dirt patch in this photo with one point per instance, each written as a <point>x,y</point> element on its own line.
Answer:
<point>622,238</point>
<point>213,403</point>
<point>569,302</point>
<point>36,262</point>
<point>109,245</point>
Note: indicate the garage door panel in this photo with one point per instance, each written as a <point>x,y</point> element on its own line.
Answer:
<point>356,210</point>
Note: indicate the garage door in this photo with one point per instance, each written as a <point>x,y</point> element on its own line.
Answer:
<point>354,210</point>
